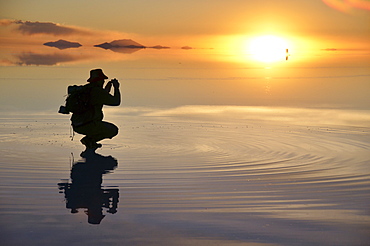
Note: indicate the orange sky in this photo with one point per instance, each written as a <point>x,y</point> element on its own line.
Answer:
<point>204,23</point>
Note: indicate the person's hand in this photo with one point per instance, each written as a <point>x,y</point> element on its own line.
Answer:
<point>115,83</point>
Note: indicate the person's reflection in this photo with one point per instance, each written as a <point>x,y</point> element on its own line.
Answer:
<point>85,190</point>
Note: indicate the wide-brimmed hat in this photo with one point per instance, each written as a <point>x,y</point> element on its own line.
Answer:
<point>96,75</point>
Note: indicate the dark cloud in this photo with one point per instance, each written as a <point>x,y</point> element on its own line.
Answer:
<point>31,28</point>
<point>44,59</point>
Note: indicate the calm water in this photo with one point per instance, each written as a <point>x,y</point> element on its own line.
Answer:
<point>287,164</point>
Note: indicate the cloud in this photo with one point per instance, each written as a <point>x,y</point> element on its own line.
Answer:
<point>348,5</point>
<point>49,28</point>
<point>5,22</point>
<point>15,30</point>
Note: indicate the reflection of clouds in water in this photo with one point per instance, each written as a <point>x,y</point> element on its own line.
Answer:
<point>6,62</point>
<point>124,50</point>
<point>45,59</point>
<point>42,56</point>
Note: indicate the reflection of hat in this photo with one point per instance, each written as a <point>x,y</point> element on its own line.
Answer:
<point>96,75</point>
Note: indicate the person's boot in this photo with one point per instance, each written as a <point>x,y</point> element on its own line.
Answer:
<point>91,145</point>
<point>87,142</point>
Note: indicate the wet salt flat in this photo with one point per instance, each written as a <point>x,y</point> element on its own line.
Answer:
<point>240,123</point>
<point>192,175</point>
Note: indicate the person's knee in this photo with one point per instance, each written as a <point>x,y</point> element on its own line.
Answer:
<point>113,131</point>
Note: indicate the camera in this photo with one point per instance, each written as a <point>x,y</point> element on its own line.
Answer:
<point>114,82</point>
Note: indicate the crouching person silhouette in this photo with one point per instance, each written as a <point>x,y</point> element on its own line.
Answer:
<point>86,105</point>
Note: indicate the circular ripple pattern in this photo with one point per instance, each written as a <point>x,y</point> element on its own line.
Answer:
<point>267,179</point>
<point>266,169</point>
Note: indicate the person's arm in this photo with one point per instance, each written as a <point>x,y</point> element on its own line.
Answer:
<point>117,93</point>
<point>102,96</point>
<point>112,100</point>
<point>108,86</point>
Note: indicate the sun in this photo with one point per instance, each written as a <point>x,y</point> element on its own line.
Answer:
<point>268,48</point>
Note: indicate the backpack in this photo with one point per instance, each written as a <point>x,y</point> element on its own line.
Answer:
<point>79,99</point>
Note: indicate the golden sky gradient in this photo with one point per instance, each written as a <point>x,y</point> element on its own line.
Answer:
<point>204,23</point>
<point>328,43</point>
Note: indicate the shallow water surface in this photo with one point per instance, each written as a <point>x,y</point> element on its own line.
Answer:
<point>205,176</point>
